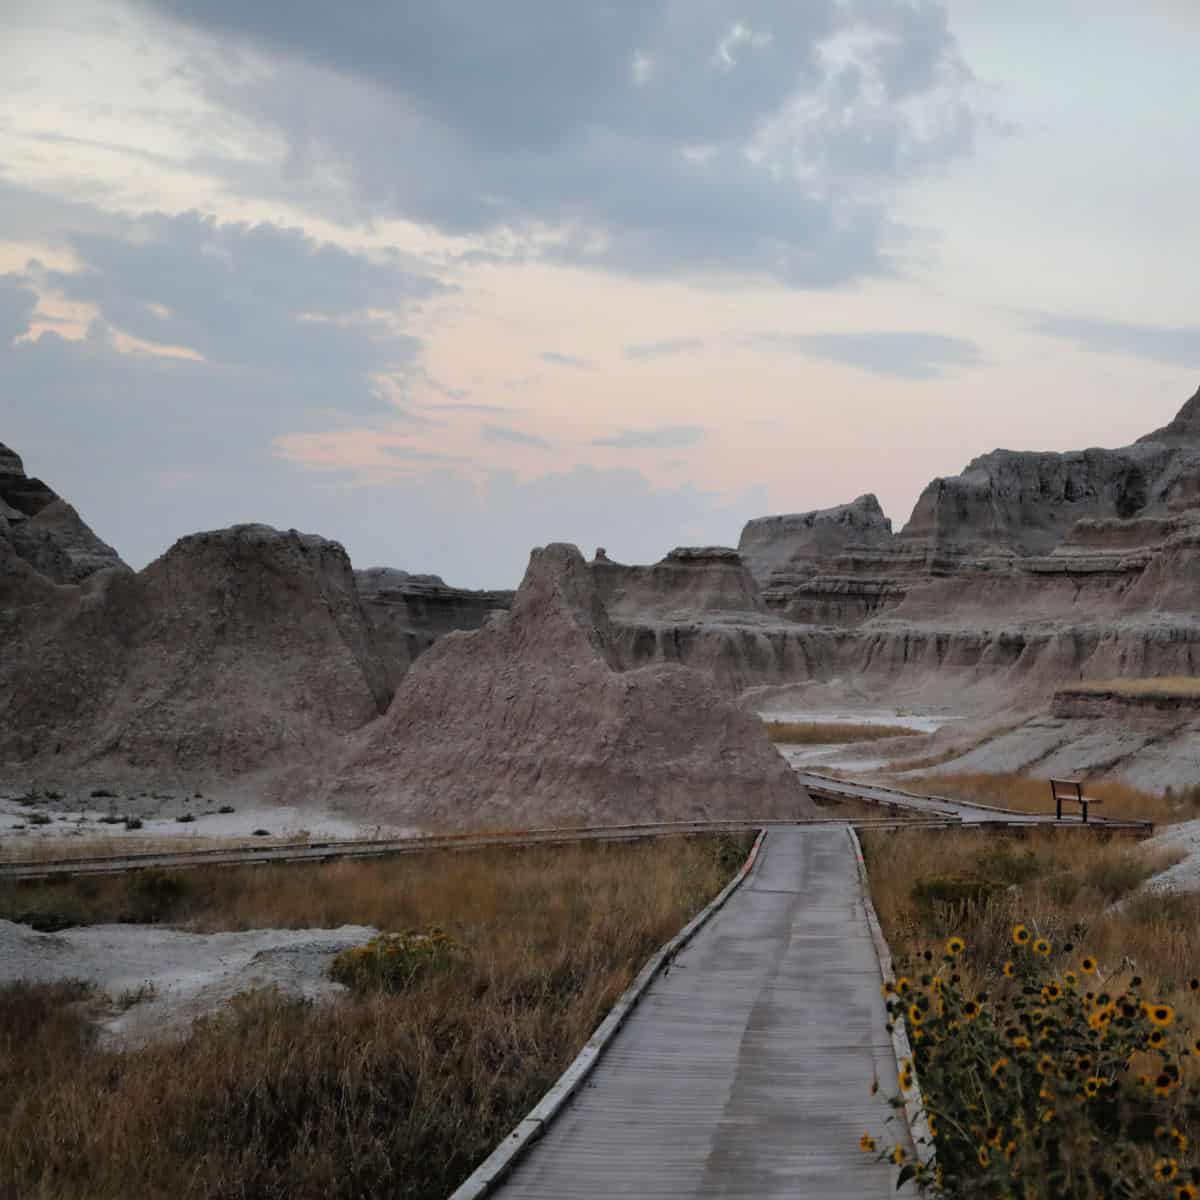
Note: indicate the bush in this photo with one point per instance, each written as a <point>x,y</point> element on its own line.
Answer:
<point>185,819</point>
<point>957,889</point>
<point>133,822</point>
<point>39,819</point>
<point>103,794</point>
<point>226,808</point>
<point>1053,1087</point>
<point>393,962</point>
<point>154,896</point>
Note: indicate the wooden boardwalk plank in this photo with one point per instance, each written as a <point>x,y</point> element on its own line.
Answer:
<point>746,1069</point>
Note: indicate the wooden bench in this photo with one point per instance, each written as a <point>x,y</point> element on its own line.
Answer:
<point>1070,789</point>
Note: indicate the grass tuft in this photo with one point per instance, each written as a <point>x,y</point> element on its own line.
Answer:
<point>820,733</point>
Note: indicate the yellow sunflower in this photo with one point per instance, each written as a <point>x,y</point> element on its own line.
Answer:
<point>1042,947</point>
<point>1165,1169</point>
<point>1088,965</point>
<point>1009,970</point>
<point>1160,1014</point>
<point>866,1144</point>
<point>955,946</point>
<point>1020,935</point>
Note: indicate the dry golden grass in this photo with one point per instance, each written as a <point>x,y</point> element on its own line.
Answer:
<point>25,847</point>
<point>396,1095</point>
<point>819,733</point>
<point>1026,794</point>
<point>1168,687</point>
<point>1063,886</point>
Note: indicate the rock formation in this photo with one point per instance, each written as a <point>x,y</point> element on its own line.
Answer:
<point>44,530</point>
<point>529,721</point>
<point>408,613</point>
<point>1026,569</point>
<point>236,650</point>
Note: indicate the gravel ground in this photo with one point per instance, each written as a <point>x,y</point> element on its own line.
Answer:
<point>188,974</point>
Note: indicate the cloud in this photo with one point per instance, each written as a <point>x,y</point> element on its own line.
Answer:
<point>904,354</point>
<point>752,136</point>
<point>472,408</point>
<point>256,297</point>
<point>513,437</point>
<point>17,304</point>
<point>566,360</point>
<point>667,437</point>
<point>1177,346</point>
<point>640,351</point>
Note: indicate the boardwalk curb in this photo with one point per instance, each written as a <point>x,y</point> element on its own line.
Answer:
<point>914,1110</point>
<point>497,1165</point>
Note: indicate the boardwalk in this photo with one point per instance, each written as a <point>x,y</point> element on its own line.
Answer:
<point>746,1069</point>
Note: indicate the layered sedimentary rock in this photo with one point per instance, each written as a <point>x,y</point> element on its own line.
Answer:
<point>44,530</point>
<point>691,579</point>
<point>528,720</point>
<point>408,613</point>
<point>1025,570</point>
<point>238,649</point>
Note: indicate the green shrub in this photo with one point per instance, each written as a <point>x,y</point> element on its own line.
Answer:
<point>1051,1087</point>
<point>395,961</point>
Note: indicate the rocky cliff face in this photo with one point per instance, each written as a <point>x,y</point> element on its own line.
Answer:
<point>1024,570</point>
<point>691,579</point>
<point>528,721</point>
<point>44,530</point>
<point>408,613</point>
<point>239,649</point>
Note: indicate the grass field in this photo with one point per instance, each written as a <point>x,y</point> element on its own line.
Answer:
<point>821,733</point>
<point>1169,687</point>
<point>395,1094</point>
<point>1026,794</point>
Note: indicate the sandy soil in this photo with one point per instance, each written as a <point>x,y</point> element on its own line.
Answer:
<point>178,976</point>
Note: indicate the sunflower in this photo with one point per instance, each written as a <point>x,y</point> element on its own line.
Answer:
<point>1194,984</point>
<point>903,985</point>
<point>1196,1048</point>
<point>1180,1139</point>
<point>1083,1063</point>
<point>1156,1039</point>
<point>915,1015</point>
<point>898,1155</point>
<point>1020,935</point>
<point>1160,1014</point>
<point>984,1156</point>
<point>971,1010</point>
<point>1186,1191</point>
<point>1052,993</point>
<point>999,1067</point>
<point>1021,1042</point>
<point>1045,1065</point>
<point>1100,1017</point>
<point>1042,947</point>
<point>1165,1169</point>
<point>1070,978</point>
<point>866,1144</point>
<point>1009,970</point>
<point>931,1121</point>
<point>1163,1083</point>
<point>955,946</point>
<point>995,1135</point>
<point>1092,1086</point>
<point>1088,965</point>
<point>1048,1116</point>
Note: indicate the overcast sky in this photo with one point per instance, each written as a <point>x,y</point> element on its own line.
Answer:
<point>445,280</point>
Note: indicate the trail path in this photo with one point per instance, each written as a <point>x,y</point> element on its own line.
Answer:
<point>745,1071</point>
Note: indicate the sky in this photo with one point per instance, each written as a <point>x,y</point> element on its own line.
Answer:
<point>445,281</point>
